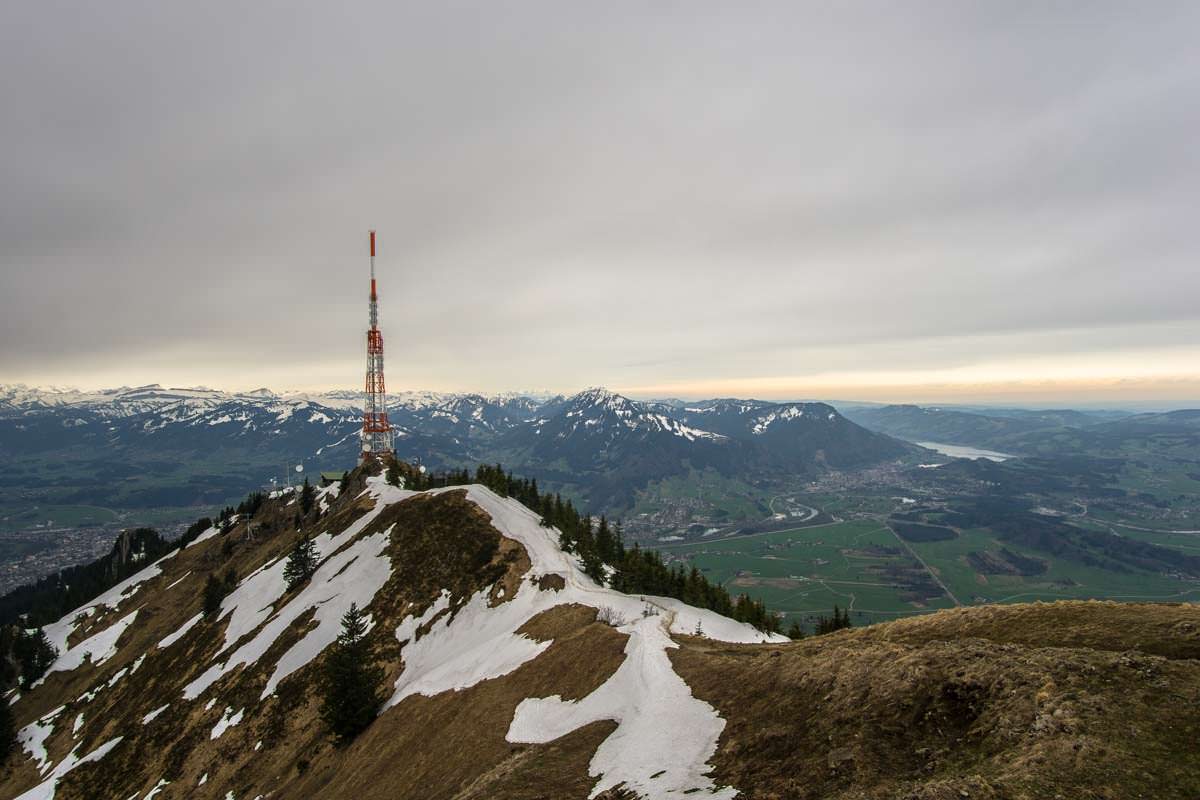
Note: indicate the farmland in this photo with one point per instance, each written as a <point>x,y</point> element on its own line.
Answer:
<point>863,566</point>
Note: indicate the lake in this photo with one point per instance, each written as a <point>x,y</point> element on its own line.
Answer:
<point>961,451</point>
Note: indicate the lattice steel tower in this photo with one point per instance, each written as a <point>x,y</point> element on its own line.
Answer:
<point>376,430</point>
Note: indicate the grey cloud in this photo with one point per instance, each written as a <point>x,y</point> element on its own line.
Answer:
<point>576,193</point>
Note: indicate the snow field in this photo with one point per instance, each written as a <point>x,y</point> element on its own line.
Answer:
<point>645,697</point>
<point>58,632</point>
<point>662,731</point>
<point>350,572</point>
<point>100,647</point>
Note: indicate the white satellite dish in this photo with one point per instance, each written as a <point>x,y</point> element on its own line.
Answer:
<point>299,468</point>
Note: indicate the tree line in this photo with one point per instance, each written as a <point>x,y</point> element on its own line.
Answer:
<point>49,598</point>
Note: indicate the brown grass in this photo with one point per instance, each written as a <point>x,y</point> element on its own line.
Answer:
<point>930,707</point>
<point>453,746</point>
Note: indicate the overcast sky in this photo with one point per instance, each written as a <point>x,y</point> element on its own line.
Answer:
<point>899,201</point>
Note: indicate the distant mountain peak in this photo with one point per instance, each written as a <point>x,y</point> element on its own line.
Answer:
<point>597,395</point>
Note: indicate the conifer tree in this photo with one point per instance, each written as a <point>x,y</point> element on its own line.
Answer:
<point>351,680</point>
<point>795,631</point>
<point>307,495</point>
<point>840,619</point>
<point>8,732</point>
<point>605,543</point>
<point>301,562</point>
<point>214,593</point>
<point>565,541</point>
<point>593,567</point>
<point>10,672</point>
<point>34,654</point>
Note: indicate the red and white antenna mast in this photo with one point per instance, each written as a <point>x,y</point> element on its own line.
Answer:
<point>376,431</point>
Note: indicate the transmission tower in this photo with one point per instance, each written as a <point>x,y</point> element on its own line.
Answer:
<point>376,430</point>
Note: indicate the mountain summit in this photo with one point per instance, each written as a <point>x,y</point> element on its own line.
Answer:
<point>506,672</point>
<point>465,590</point>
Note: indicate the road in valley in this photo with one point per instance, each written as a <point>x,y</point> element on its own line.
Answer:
<point>928,569</point>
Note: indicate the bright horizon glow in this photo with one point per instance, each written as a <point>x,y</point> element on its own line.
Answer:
<point>1078,384</point>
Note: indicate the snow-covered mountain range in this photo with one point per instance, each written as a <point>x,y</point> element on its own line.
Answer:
<point>600,443</point>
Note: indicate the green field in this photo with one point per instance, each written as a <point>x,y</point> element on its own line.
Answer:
<point>1165,481</point>
<point>861,565</point>
<point>1063,579</point>
<point>803,572</point>
<point>60,516</point>
<point>1152,531</point>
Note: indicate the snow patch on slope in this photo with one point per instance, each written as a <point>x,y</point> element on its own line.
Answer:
<point>764,421</point>
<point>646,697</point>
<point>34,735</point>
<point>98,648</point>
<point>227,721</point>
<point>205,536</point>
<point>350,572</point>
<point>45,789</point>
<point>478,642</point>
<point>58,632</point>
<point>327,495</point>
<point>148,718</point>
<point>409,625</point>
<point>179,633</point>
